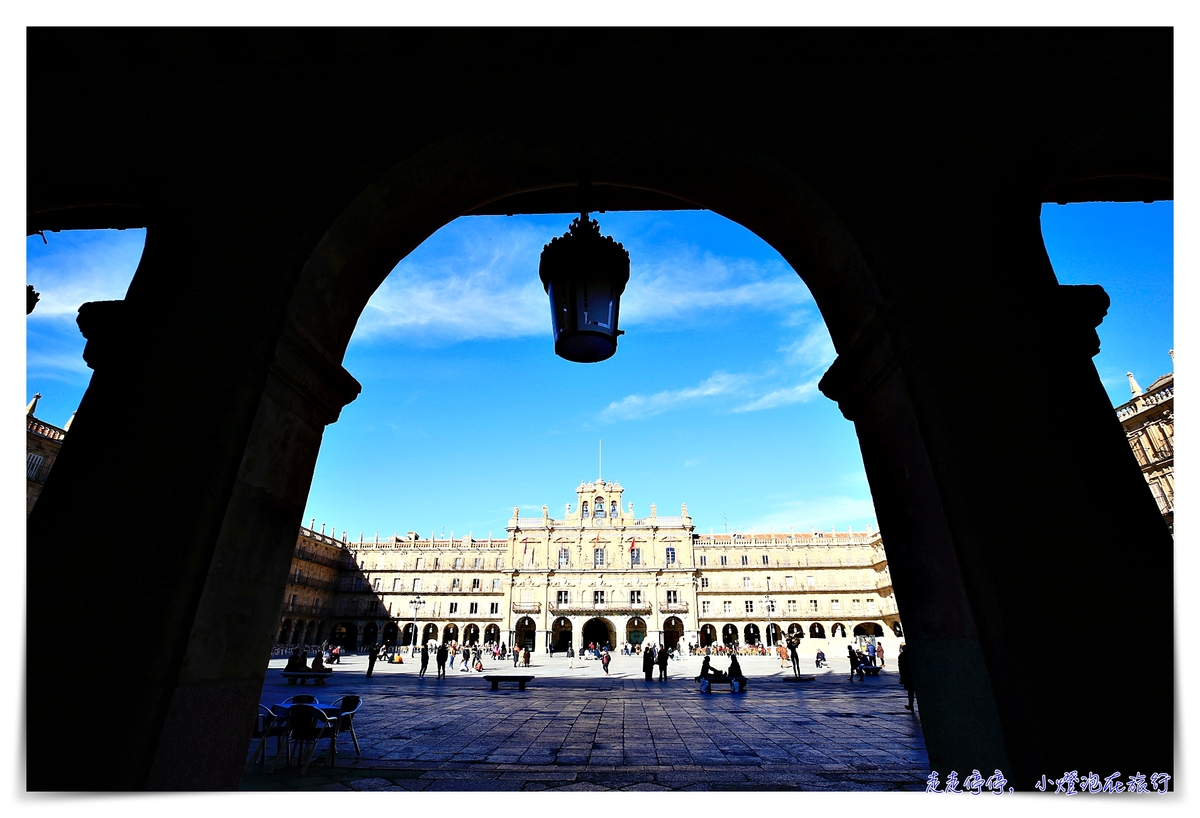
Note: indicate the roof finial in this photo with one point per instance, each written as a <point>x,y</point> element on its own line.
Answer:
<point>1133,385</point>
<point>70,420</point>
<point>32,407</point>
<point>1171,352</point>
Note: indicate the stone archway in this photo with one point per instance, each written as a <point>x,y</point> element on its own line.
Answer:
<point>471,635</point>
<point>430,634</point>
<point>635,630</point>
<point>491,634</point>
<point>837,631</point>
<point>560,633</point>
<point>752,634</point>
<point>285,632</point>
<point>527,634</point>
<point>370,632</point>
<point>774,634</point>
<point>409,632</point>
<point>345,634</point>
<point>729,635</point>
<point>390,632</point>
<point>598,630</point>
<point>816,630</point>
<point>672,631</point>
<point>450,633</point>
<point>708,635</point>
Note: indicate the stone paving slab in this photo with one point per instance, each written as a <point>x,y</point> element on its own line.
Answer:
<point>576,727</point>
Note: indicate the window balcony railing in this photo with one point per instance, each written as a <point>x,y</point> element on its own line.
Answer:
<point>674,607</point>
<point>527,607</point>
<point>600,607</point>
<point>303,610</point>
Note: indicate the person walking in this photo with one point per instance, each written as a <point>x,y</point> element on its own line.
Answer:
<point>662,658</point>
<point>879,653</point>
<point>516,654</point>
<point>570,657</point>
<point>604,660</point>
<point>442,653</point>
<point>794,650</point>
<point>372,658</point>
<point>525,656</point>
<point>852,655</point>
<point>871,654</point>
<point>424,660</point>
<point>648,662</point>
<point>453,653</point>
<point>905,676</point>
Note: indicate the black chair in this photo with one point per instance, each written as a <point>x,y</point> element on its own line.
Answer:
<point>347,707</point>
<point>307,726</point>
<point>303,698</point>
<point>268,725</point>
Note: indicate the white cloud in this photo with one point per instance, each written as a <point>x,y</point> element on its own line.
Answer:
<point>820,512</point>
<point>643,406</point>
<point>80,267</point>
<point>782,397</point>
<point>814,350</point>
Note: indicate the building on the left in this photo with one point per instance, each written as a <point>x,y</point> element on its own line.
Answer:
<point>42,442</point>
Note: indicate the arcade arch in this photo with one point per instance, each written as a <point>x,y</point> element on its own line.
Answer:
<point>635,630</point>
<point>600,631</point>
<point>560,633</point>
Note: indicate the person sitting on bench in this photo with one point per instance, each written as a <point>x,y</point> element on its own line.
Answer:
<point>318,665</point>
<point>296,662</point>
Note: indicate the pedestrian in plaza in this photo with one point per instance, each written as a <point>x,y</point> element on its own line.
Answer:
<point>525,656</point>
<point>570,657</point>
<point>648,662</point>
<point>852,655</point>
<point>372,658</point>
<point>516,654</point>
<point>662,658</point>
<point>821,661</point>
<point>794,650</point>
<point>604,660</point>
<point>453,653</point>
<point>442,653</point>
<point>879,653</point>
<point>424,659</point>
<point>871,654</point>
<point>905,676</point>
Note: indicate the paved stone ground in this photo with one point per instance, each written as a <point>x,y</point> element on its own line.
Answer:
<point>579,730</point>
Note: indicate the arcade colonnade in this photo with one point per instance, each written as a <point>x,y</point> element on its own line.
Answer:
<point>900,173</point>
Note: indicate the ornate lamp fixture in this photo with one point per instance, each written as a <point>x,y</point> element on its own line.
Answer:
<point>584,274</point>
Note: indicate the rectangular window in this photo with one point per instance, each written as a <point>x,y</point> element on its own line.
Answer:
<point>745,559</point>
<point>499,563</point>
<point>456,584</point>
<point>496,585</point>
<point>724,560</point>
<point>635,556</point>
<point>598,557</point>
<point>563,597</point>
<point>635,597</point>
<point>397,584</point>
<point>475,584</point>
<point>33,465</point>
<point>670,556</point>
<point>597,597</point>
<point>494,608</point>
<point>292,603</point>
<point>706,607</point>
<point>479,562</point>
<point>766,559</point>
<point>771,606</point>
<point>727,606</point>
<point>474,607</point>
<point>812,606</point>
<point>564,557</point>
<point>811,582</point>
<point>672,597</point>
<point>870,606</point>
<point>856,605</point>
<point>703,559</point>
<point>788,582</point>
<point>791,603</point>
<point>420,563</point>
<point>417,584</point>
<point>835,604</point>
<point>453,608</point>
<point>703,582</point>
<point>378,584</point>
<point>745,582</point>
<point>749,606</point>
<point>437,562</point>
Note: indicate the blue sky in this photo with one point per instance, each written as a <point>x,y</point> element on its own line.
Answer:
<point>711,398</point>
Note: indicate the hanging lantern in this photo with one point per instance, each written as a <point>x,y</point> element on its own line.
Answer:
<point>584,274</point>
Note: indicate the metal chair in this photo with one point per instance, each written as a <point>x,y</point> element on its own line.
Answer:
<point>347,707</point>
<point>269,725</point>
<point>307,726</point>
<point>303,698</point>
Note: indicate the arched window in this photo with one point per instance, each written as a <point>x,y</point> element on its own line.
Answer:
<point>599,506</point>
<point>583,510</point>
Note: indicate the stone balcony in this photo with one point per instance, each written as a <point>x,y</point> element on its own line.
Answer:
<point>673,607</point>
<point>567,609</point>
<point>527,607</point>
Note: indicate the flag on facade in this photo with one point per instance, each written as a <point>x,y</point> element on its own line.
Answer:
<point>631,542</point>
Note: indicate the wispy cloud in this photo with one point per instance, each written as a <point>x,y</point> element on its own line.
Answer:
<point>782,397</point>
<point>643,406</point>
<point>85,266</point>
<point>839,512</point>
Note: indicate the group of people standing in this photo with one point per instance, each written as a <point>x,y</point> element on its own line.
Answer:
<point>654,655</point>
<point>446,653</point>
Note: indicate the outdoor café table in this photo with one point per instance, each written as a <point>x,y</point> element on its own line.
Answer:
<point>331,712</point>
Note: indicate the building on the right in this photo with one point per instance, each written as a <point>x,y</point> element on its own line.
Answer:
<point>1149,422</point>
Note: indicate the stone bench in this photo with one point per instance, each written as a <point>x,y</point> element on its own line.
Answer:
<point>706,684</point>
<point>520,680</point>
<point>302,676</point>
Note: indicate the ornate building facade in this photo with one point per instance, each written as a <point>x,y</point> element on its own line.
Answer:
<point>1148,418</point>
<point>598,574</point>
<point>42,442</point>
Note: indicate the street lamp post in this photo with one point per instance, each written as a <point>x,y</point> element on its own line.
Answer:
<point>769,601</point>
<point>417,604</point>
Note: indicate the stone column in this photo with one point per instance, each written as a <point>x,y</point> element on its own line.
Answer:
<point>988,562</point>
